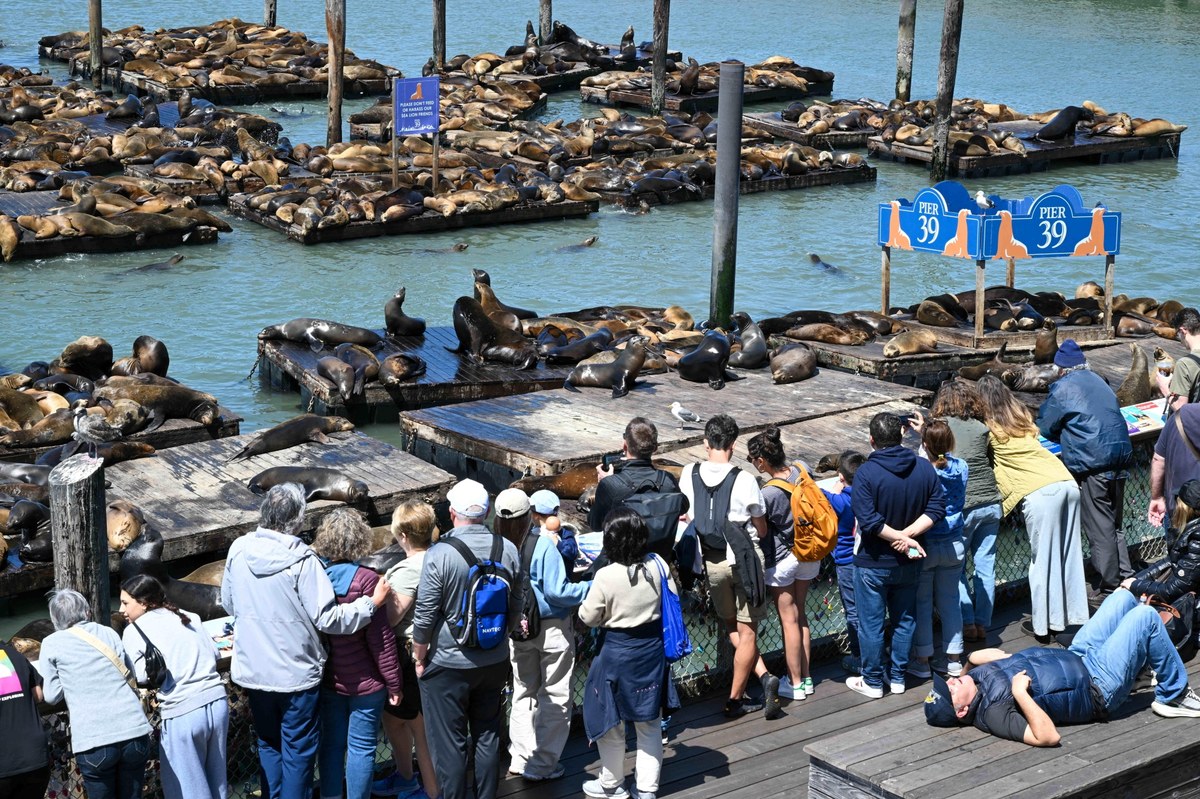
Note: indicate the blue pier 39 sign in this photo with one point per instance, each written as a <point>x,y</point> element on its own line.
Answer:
<point>939,220</point>
<point>415,105</point>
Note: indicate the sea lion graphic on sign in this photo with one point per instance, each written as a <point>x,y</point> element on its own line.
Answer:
<point>896,237</point>
<point>957,246</point>
<point>1006,245</point>
<point>1093,242</point>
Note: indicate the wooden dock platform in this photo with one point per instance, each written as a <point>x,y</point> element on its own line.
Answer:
<point>173,433</point>
<point>706,101</point>
<point>448,378</point>
<point>777,126</point>
<point>381,133</point>
<point>825,177</point>
<point>203,192</point>
<point>427,222</point>
<point>551,431</point>
<point>200,503</point>
<point>557,81</point>
<point>1039,156</point>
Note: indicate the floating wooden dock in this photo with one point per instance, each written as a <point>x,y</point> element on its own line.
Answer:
<point>427,222</point>
<point>551,431</point>
<point>557,81</point>
<point>824,177</point>
<point>964,335</point>
<point>173,433</point>
<point>380,132</point>
<point>1039,156</point>
<point>448,378</point>
<point>16,204</point>
<point>777,126</point>
<point>200,503</point>
<point>203,192</point>
<point>707,101</point>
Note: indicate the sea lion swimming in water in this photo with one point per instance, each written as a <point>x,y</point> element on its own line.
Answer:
<point>297,430</point>
<point>398,323</point>
<point>159,266</point>
<point>318,483</point>
<point>588,242</point>
<point>825,267</point>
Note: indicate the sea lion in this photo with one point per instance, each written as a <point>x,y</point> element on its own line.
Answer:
<point>487,298</point>
<point>1134,325</point>
<point>53,429</point>
<point>365,365</point>
<point>208,574</point>
<point>707,362</point>
<point>567,485</point>
<point>1167,312</point>
<point>400,368</point>
<point>483,277</point>
<point>86,356</point>
<point>588,242</point>
<point>19,490</point>
<point>20,406</point>
<point>933,313</point>
<point>318,333</point>
<point>1045,346</point>
<point>151,355</point>
<point>125,522</point>
<point>319,483</point>
<point>341,375</point>
<point>160,266</point>
<point>620,375</point>
<point>753,354</point>
<point>295,431</point>
<point>396,322</point>
<point>144,556</point>
<point>111,453</point>
<point>910,342</point>
<point>481,339</point>
<point>1089,288</point>
<point>826,333</point>
<point>1031,378</point>
<point>165,401</point>
<point>792,363</point>
<point>578,350</point>
<point>1064,122</point>
<point>1135,387</point>
<point>996,366</point>
<point>28,639</point>
<point>825,267</point>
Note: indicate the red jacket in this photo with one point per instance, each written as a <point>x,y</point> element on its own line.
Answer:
<point>366,661</point>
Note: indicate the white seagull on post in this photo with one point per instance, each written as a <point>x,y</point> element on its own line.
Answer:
<point>684,415</point>
<point>983,201</point>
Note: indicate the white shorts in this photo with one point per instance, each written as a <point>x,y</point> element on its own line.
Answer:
<point>789,570</point>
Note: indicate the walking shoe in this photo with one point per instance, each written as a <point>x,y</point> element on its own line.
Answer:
<point>851,664</point>
<point>897,687</point>
<point>954,668</point>
<point>919,669</point>
<point>809,688</point>
<point>394,785</point>
<point>665,723</point>
<point>772,708</point>
<point>789,691</point>
<point>858,685</point>
<point>559,770</point>
<point>1186,706</point>
<point>638,794</point>
<point>594,788</point>
<point>1027,628</point>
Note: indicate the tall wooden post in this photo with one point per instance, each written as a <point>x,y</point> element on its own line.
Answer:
<point>1010,271</point>
<point>947,72</point>
<point>727,191</point>
<point>269,13</point>
<point>439,34</point>
<point>658,75</point>
<point>904,48</point>
<point>1110,266</point>
<point>885,281</point>
<point>980,266</point>
<point>95,40</point>
<point>79,531</point>
<point>545,22</point>
<point>335,28</point>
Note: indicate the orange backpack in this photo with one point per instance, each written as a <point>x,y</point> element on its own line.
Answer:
<point>814,522</point>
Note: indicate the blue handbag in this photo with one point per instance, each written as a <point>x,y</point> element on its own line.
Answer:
<point>676,643</point>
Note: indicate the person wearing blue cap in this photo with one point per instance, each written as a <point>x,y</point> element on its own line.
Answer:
<point>544,506</point>
<point>1026,696</point>
<point>1082,414</point>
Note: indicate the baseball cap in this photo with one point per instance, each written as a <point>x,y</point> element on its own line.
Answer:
<point>468,498</point>
<point>939,707</point>
<point>511,503</point>
<point>544,502</point>
<point>1189,492</point>
<point>1069,355</point>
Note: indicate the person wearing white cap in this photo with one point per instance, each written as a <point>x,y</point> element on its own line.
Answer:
<point>460,685</point>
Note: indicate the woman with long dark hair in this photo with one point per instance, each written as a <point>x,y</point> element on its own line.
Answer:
<point>192,703</point>
<point>629,681</point>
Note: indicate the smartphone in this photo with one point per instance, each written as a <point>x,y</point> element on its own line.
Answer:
<point>609,460</point>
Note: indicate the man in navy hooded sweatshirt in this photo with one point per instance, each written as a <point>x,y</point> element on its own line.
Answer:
<point>897,497</point>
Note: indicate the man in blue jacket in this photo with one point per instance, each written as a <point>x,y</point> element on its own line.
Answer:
<point>897,497</point>
<point>1082,414</point>
<point>1024,697</point>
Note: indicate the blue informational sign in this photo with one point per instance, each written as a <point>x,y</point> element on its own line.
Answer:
<point>941,220</point>
<point>415,106</point>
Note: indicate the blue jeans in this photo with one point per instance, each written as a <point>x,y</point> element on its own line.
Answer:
<point>115,771</point>
<point>893,591</point>
<point>845,579</point>
<point>1121,638</point>
<point>286,726</point>
<point>941,570</point>
<point>349,735</point>
<point>981,525</point>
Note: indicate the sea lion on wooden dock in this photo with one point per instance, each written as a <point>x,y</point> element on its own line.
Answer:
<point>144,556</point>
<point>1032,378</point>
<point>208,574</point>
<point>1135,387</point>
<point>826,333</point>
<point>398,323</point>
<point>295,431</point>
<point>341,375</point>
<point>1167,312</point>
<point>111,453</point>
<point>910,342</point>
<point>86,356</point>
<point>753,354</point>
<point>125,522</point>
<point>53,429</point>
<point>28,639</point>
<point>933,313</point>
<point>400,368</point>
<point>1088,288</point>
<point>580,349</point>
<point>364,363</point>
<point>996,366</point>
<point>1064,122</point>
<point>482,340</point>
<point>481,276</point>
<point>165,401</point>
<point>620,375</point>
<point>707,362</point>
<point>318,333</point>
<point>319,483</point>
<point>1045,346</point>
<point>792,363</point>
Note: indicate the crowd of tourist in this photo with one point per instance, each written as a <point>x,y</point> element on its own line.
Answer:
<point>330,652</point>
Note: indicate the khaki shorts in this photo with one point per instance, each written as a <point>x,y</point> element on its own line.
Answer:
<point>725,590</point>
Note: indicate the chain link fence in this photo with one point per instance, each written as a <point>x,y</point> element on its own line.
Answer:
<point>707,669</point>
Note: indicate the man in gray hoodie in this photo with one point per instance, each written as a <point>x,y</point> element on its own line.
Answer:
<point>280,599</point>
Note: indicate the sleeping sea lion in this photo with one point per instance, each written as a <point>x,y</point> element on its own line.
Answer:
<point>319,483</point>
<point>318,333</point>
<point>580,349</point>
<point>932,313</point>
<point>400,368</point>
<point>792,363</point>
<point>297,430</point>
<point>341,375</point>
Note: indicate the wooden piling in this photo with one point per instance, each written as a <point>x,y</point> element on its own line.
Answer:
<point>725,198</point>
<point>885,282</point>
<point>904,48</point>
<point>1010,271</point>
<point>658,76</point>
<point>95,41</point>
<point>439,34</point>
<point>269,13</point>
<point>947,72</point>
<point>545,22</point>
<point>335,27</point>
<point>79,531</point>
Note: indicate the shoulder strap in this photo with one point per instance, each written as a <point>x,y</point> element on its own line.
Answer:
<point>783,485</point>
<point>463,550</point>
<point>497,550</point>
<point>527,549</point>
<point>142,633</point>
<point>1184,436</point>
<point>107,651</point>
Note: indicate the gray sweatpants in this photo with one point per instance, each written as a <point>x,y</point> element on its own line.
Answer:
<point>192,753</point>
<point>1057,588</point>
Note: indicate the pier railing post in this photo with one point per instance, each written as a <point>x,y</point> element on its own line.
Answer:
<point>545,22</point>
<point>79,531</point>
<point>335,27</point>
<point>658,70</point>
<point>904,48</point>
<point>725,199</point>
<point>95,40</point>
<point>947,72</point>
<point>439,34</point>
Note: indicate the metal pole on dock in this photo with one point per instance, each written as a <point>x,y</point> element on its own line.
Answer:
<point>725,200</point>
<point>269,13</point>
<point>1110,266</point>
<point>885,281</point>
<point>95,40</point>
<point>335,27</point>
<point>439,34</point>
<point>658,70</point>
<point>79,531</point>
<point>947,72</point>
<point>545,22</point>
<point>904,48</point>
<point>980,266</point>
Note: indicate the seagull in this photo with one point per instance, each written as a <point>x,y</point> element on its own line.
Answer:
<point>683,415</point>
<point>93,429</point>
<point>983,202</point>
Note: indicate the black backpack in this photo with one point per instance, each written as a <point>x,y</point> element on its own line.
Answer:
<point>659,505</point>
<point>529,619</point>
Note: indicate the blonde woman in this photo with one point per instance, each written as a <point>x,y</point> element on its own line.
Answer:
<point>1036,482</point>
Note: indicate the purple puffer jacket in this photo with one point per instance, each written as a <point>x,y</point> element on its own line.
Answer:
<point>366,661</point>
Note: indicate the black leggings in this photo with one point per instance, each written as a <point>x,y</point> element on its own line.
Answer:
<point>30,785</point>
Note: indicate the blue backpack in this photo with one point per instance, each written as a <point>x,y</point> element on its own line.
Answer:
<point>676,643</point>
<point>482,621</point>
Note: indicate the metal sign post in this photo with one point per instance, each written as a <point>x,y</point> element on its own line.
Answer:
<point>416,111</point>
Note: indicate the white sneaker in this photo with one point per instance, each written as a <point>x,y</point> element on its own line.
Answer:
<point>595,789</point>
<point>857,685</point>
<point>897,687</point>
<point>954,668</point>
<point>1185,707</point>
<point>788,691</point>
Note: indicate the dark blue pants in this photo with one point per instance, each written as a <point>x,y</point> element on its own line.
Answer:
<point>115,771</point>
<point>286,726</point>
<point>891,593</point>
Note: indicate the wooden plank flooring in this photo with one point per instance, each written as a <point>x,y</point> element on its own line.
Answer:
<point>777,126</point>
<point>548,432</point>
<point>707,101</point>
<point>831,176</point>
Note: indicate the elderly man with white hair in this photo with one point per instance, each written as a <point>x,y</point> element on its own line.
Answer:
<point>281,599</point>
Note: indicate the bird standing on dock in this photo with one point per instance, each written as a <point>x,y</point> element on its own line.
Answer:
<point>983,201</point>
<point>93,430</point>
<point>684,415</point>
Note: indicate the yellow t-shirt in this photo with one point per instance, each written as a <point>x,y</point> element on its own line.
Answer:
<point>1023,466</point>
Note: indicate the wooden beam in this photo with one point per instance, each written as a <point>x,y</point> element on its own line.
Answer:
<point>980,267</point>
<point>79,531</point>
<point>95,40</point>
<point>335,27</point>
<point>885,282</point>
<point>545,22</point>
<point>904,48</point>
<point>947,72</point>
<point>1110,268</point>
<point>658,74</point>
<point>269,13</point>
<point>725,198</point>
<point>439,34</point>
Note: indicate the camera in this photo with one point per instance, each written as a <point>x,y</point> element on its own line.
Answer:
<point>610,459</point>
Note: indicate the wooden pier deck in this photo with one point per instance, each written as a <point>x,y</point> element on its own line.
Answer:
<point>706,101</point>
<point>200,503</point>
<point>824,177</point>
<point>1039,156</point>
<point>448,378</point>
<point>551,431</point>
<point>381,132</point>
<point>173,433</point>
<point>777,126</point>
